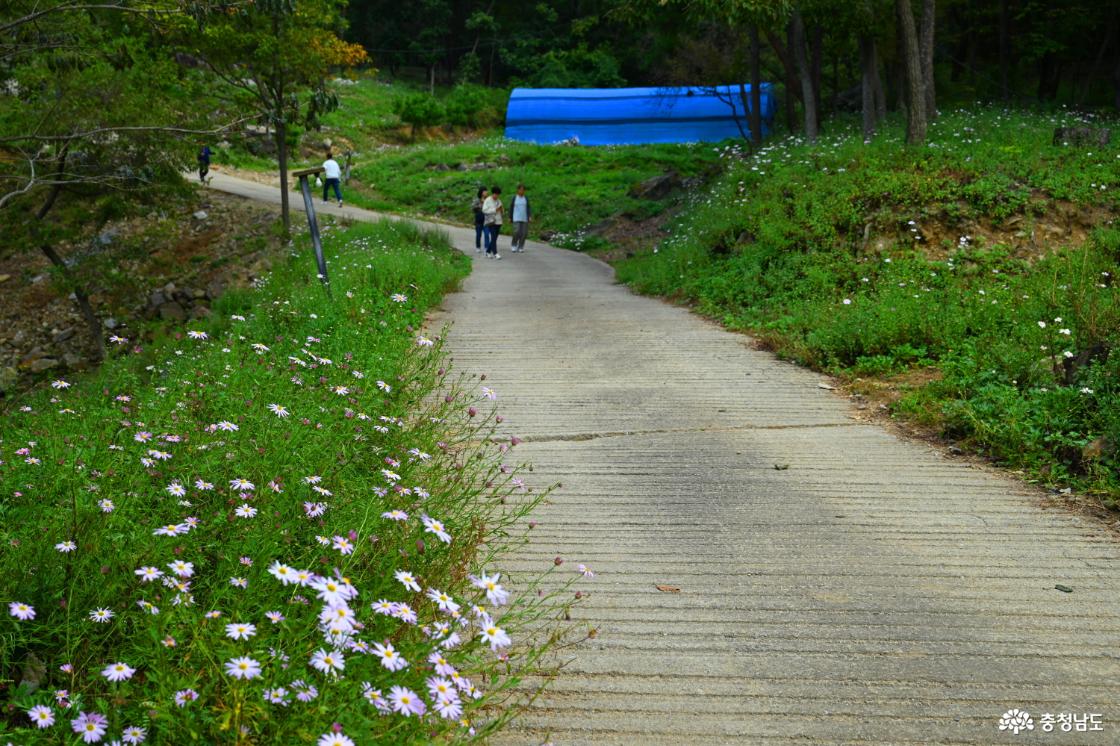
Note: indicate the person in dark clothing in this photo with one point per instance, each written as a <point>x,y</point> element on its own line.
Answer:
<point>203,162</point>
<point>479,220</point>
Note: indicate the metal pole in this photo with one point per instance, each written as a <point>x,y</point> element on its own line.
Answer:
<point>309,206</point>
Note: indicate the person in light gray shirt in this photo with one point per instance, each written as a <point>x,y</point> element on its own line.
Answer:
<point>521,214</point>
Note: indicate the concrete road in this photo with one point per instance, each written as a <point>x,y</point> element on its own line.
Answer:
<point>872,592</point>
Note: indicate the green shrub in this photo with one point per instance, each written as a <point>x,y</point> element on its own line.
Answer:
<point>419,110</point>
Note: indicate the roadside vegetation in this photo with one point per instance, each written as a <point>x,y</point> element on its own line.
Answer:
<point>976,275</point>
<point>278,525</point>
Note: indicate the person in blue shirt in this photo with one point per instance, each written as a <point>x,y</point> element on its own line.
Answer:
<point>521,214</point>
<point>203,162</point>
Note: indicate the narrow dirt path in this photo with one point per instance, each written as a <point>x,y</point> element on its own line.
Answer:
<point>836,584</point>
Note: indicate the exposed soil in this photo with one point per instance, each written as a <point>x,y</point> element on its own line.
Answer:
<point>1046,226</point>
<point>183,258</point>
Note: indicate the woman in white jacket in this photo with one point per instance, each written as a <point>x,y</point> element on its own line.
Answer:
<point>492,218</point>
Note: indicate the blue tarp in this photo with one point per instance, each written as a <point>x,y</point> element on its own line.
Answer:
<point>628,116</point>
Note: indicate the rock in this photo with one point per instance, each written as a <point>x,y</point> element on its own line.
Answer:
<point>172,311</point>
<point>197,293</point>
<point>169,289</point>
<point>200,312</point>
<point>38,365</point>
<point>111,323</point>
<point>200,215</point>
<point>214,289</point>
<point>1096,448</point>
<point>107,237</point>
<point>656,187</point>
<point>4,278</point>
<point>38,278</point>
<point>156,299</point>
<point>71,360</point>
<point>1082,136</point>
<point>8,378</point>
<point>440,167</point>
<point>63,335</point>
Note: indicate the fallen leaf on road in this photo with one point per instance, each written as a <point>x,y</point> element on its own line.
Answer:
<point>668,589</point>
<point>781,467</point>
<point>1063,588</point>
<point>826,387</point>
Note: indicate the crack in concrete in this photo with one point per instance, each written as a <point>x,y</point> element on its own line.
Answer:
<point>675,430</point>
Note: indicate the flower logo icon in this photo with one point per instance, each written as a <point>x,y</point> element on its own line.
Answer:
<point>1016,720</point>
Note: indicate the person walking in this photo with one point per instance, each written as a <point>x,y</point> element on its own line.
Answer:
<point>492,218</point>
<point>332,175</point>
<point>479,219</point>
<point>204,155</point>
<point>521,214</point>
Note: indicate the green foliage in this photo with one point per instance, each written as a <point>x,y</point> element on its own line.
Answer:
<point>570,188</point>
<point>576,68</point>
<point>419,110</point>
<point>878,260</point>
<point>112,460</point>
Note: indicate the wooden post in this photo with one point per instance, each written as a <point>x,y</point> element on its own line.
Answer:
<point>312,222</point>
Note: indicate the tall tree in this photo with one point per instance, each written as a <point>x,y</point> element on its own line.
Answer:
<point>746,18</point>
<point>916,121</point>
<point>274,57</point>
<point>804,74</point>
<point>925,48</point>
<point>93,111</point>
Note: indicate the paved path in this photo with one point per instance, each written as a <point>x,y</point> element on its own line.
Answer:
<point>873,592</point>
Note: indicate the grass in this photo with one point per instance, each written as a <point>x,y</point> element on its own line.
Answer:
<point>983,264</point>
<point>571,188</point>
<point>282,432</point>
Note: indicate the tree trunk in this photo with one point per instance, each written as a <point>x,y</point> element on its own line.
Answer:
<point>804,72</point>
<point>925,46</point>
<point>792,90</point>
<point>1092,77</point>
<point>281,134</point>
<point>756,86</point>
<point>916,122</point>
<point>432,79</point>
<point>877,84</point>
<point>867,84</point>
<point>1116,79</point>
<point>1005,49</point>
<point>80,296</point>
<point>817,48</point>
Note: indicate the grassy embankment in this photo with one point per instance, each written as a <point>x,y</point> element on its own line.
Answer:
<point>155,512</point>
<point>976,276</point>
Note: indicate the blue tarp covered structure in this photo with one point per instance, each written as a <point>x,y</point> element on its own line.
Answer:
<point>630,116</point>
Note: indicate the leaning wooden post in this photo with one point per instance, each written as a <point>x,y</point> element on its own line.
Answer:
<point>309,206</point>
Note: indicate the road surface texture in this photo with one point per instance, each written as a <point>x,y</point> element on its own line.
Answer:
<point>837,584</point>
